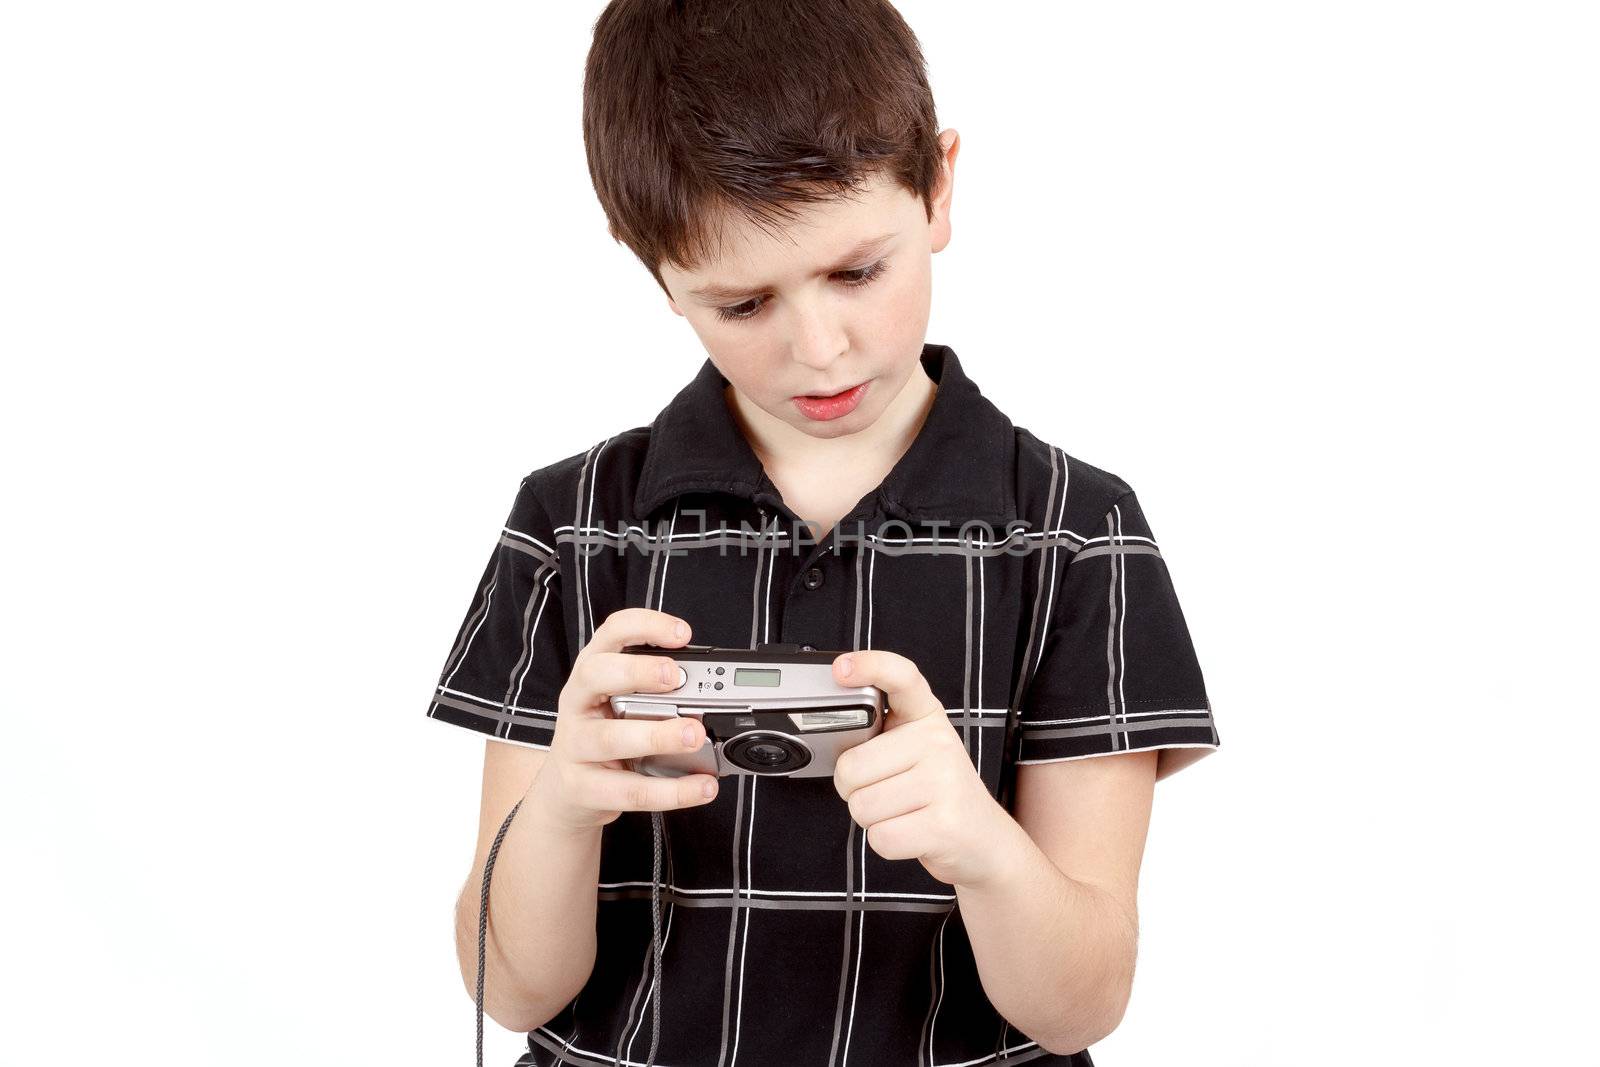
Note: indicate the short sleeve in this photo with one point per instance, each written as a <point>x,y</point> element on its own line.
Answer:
<point>511,657</point>
<point>1116,670</point>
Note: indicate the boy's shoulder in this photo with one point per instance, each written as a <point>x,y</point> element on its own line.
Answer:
<point>594,483</point>
<point>1051,487</point>
<point>1056,489</point>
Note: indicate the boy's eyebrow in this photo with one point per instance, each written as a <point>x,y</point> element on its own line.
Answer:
<point>715,292</point>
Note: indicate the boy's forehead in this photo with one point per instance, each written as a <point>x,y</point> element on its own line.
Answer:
<point>819,236</point>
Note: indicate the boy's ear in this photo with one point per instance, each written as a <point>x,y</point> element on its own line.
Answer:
<point>951,141</point>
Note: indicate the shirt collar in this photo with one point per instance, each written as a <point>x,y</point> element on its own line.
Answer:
<point>959,467</point>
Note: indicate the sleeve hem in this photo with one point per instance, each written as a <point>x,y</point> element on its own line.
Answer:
<point>521,724</point>
<point>1175,725</point>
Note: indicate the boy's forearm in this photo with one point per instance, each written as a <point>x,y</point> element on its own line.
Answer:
<point>540,944</point>
<point>1055,955</point>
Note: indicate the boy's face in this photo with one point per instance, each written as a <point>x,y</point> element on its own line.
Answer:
<point>823,305</point>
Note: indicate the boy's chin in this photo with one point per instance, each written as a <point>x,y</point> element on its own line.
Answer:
<point>856,421</point>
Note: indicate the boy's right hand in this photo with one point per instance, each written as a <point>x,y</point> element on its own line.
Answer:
<point>584,782</point>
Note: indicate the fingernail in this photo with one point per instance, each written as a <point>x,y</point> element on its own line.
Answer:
<point>682,629</point>
<point>688,736</point>
<point>668,672</point>
<point>709,789</point>
<point>844,665</point>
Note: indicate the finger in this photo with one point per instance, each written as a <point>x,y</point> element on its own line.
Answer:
<point>888,799</point>
<point>638,626</point>
<point>907,692</point>
<point>608,674</point>
<point>905,837</point>
<point>599,740</point>
<point>875,760</point>
<point>602,789</point>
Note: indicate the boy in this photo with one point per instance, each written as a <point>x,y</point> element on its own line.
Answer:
<point>962,890</point>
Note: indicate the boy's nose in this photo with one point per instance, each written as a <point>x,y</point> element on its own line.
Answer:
<point>817,342</point>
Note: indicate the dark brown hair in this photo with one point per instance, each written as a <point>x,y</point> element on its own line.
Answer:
<point>694,109</point>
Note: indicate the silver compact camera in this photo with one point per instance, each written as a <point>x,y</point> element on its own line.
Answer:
<point>769,710</point>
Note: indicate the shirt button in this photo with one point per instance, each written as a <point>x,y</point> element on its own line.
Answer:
<point>814,578</point>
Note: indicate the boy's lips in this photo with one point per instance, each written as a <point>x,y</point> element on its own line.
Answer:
<point>834,406</point>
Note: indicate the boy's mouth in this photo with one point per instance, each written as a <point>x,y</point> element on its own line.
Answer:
<point>832,406</point>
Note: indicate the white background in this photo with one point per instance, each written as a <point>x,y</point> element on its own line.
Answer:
<point>293,295</point>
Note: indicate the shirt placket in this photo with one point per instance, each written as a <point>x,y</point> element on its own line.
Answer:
<point>819,580</point>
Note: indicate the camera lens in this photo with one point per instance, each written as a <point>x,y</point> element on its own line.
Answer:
<point>767,752</point>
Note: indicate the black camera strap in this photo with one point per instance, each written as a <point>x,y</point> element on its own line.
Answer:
<point>655,926</point>
<point>483,916</point>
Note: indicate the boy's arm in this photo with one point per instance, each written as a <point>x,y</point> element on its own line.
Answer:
<point>540,946</point>
<point>1054,933</point>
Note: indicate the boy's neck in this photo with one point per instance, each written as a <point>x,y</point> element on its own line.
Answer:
<point>822,478</point>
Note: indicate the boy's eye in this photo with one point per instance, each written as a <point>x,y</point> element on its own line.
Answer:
<point>861,275</point>
<point>852,278</point>
<point>739,311</point>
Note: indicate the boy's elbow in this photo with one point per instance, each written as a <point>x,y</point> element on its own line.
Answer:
<point>1071,1044</point>
<point>513,1005</point>
<point>518,1018</point>
<point>518,1010</point>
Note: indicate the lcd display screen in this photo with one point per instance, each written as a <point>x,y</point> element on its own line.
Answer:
<point>755,676</point>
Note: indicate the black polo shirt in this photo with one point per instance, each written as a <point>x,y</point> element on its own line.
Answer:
<point>1026,585</point>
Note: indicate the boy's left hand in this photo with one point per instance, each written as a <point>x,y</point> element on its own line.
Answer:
<point>914,788</point>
